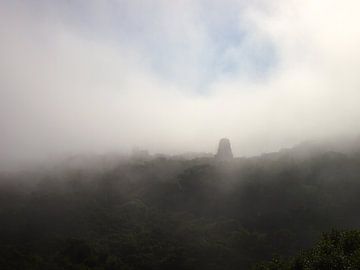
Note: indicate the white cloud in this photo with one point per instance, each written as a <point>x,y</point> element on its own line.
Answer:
<point>66,88</point>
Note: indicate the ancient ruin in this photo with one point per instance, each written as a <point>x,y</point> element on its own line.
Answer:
<point>224,150</point>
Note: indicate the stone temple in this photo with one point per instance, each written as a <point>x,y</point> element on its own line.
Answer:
<point>224,150</point>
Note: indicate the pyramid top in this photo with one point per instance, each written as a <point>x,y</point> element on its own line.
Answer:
<point>224,150</point>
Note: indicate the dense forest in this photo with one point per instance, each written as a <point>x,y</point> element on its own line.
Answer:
<point>294,209</point>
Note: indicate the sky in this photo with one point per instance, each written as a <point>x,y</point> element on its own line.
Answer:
<point>175,76</point>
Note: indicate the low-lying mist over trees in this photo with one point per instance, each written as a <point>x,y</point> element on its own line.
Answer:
<point>164,212</point>
<point>110,115</point>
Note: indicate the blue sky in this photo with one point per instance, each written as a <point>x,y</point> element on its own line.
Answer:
<point>221,45</point>
<point>175,76</point>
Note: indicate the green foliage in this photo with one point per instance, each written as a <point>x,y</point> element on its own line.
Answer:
<point>338,250</point>
<point>175,214</point>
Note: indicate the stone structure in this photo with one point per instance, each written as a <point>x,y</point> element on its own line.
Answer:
<point>224,150</point>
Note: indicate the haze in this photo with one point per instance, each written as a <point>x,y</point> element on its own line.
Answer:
<point>175,76</point>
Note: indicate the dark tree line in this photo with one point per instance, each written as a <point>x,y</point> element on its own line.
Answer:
<point>180,214</point>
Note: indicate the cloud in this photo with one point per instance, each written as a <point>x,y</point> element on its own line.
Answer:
<point>171,77</point>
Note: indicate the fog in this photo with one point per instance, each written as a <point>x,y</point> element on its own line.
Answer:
<point>171,77</point>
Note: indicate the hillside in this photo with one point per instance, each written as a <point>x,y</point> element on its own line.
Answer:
<point>169,213</point>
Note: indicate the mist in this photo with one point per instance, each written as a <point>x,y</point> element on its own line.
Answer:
<point>189,134</point>
<point>105,76</point>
